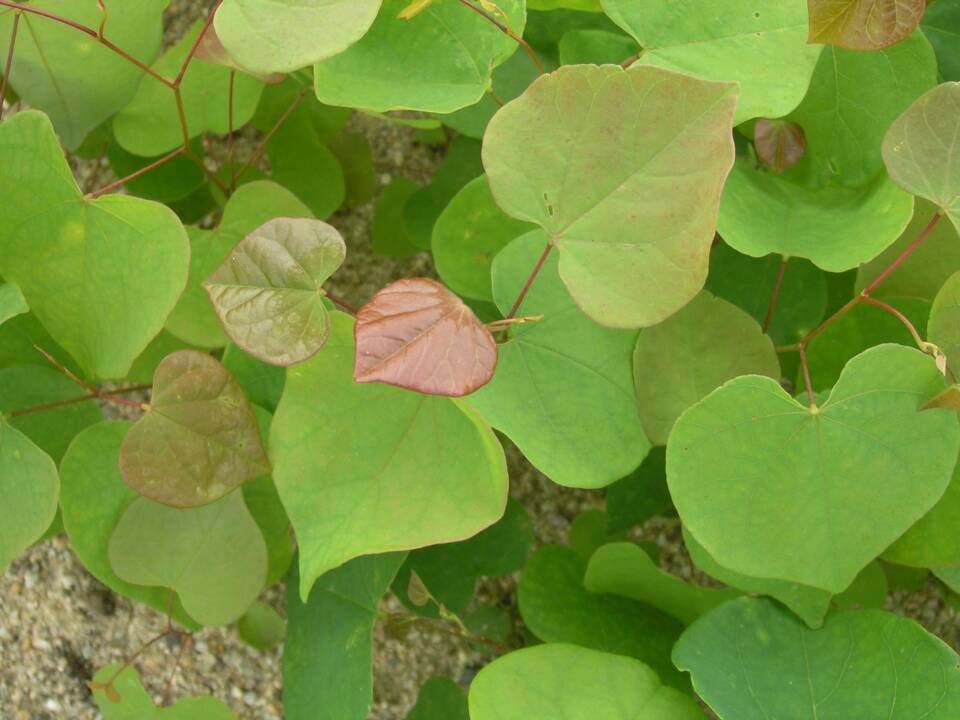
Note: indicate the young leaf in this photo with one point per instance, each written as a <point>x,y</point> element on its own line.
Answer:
<point>213,557</point>
<point>563,390</point>
<point>559,680</point>
<point>173,180</point>
<point>327,657</point>
<point>780,144</point>
<point>212,50</point>
<point>12,302</point>
<point>863,24</point>
<point>121,262</point>
<point>269,36</point>
<point>836,228</point>
<point>922,149</point>
<point>29,486</point>
<point>199,438</point>
<point>632,206</point>
<point>456,51</point>
<point>681,360</point>
<point>129,701</point>
<point>365,468</point>
<point>762,46</point>
<point>418,335</point>
<point>862,663</point>
<point>261,626</point>
<point>268,292</point>
<point>825,489</point>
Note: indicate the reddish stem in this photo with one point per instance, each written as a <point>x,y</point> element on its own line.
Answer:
<point>806,375</point>
<point>773,298</point>
<point>900,316</point>
<point>258,151</point>
<point>530,279</point>
<point>9,65</point>
<point>132,176</point>
<point>342,304</point>
<point>508,32</point>
<point>51,405</point>
<point>630,61</point>
<point>905,254</point>
<point>196,44</point>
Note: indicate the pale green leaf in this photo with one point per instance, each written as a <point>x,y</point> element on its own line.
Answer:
<point>941,25</point>
<point>12,302</point>
<point>135,703</point>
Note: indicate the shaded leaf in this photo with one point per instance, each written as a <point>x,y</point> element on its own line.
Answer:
<point>640,495</point>
<point>779,143</point>
<point>261,382</point>
<point>390,235</point>
<point>440,698</point>
<point>171,181</point>
<point>261,626</point>
<point>949,399</point>
<point>199,438</point>
<point>213,557</point>
<point>941,25</point>
<point>417,592</point>
<point>355,156</point>
<point>418,335</point>
<point>268,292</point>
<point>933,540</point>
<point>633,228</point>
<point>125,699</point>
<point>12,302</point>
<point>863,24</point>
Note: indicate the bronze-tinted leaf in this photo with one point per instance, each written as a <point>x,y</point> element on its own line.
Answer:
<point>211,50</point>
<point>268,292</point>
<point>863,24</point>
<point>199,439</point>
<point>416,334</point>
<point>779,143</point>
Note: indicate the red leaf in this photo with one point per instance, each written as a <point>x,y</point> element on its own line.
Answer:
<point>779,143</point>
<point>418,335</point>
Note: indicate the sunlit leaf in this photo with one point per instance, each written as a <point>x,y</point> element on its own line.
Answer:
<point>262,383</point>
<point>559,680</point>
<point>129,701</point>
<point>632,206</point>
<point>213,557</point>
<point>268,292</point>
<point>199,438</point>
<point>418,335</point>
<point>823,490</point>
<point>120,261</point>
<point>863,24</point>
<point>211,49</point>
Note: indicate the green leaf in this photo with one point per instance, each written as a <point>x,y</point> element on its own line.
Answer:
<point>262,383</point>
<point>261,627</point>
<point>597,47</point>
<point>12,302</point>
<point>269,36</point>
<point>450,571</point>
<point>171,181</point>
<point>213,557</point>
<point>440,698</point>
<point>836,228</point>
<point>559,680</point>
<point>761,46</point>
<point>922,149</point>
<point>268,292</point>
<point>949,576</point>
<point>640,495</point>
<point>868,590</point>
<point>926,269</point>
<point>588,531</point>
<point>71,77</point>
<point>355,156</point>
<point>264,504</point>
<point>810,604</point>
<point>824,490</point>
<point>683,359</point>
<point>120,265</point>
<point>150,124</point>
<point>751,660</point>
<point>624,569</point>
<point>92,499</point>
<point>143,368</point>
<point>748,283</point>
<point>456,52</point>
<point>557,608</point>
<point>563,388</point>
<point>327,657</point>
<point>194,319</point>
<point>550,5</point>
<point>944,327</point>
<point>545,29</point>
<point>468,235</point>
<point>941,25</point>
<point>358,465</point>
<point>933,540</point>
<point>632,207</point>
<point>843,137</point>
<point>390,235</point>
<point>135,703</point>
<point>29,485</point>
<point>199,438</point>
<point>26,386</point>
<point>863,24</point>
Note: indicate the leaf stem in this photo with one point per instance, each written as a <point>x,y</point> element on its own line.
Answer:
<point>9,65</point>
<point>343,305</point>
<point>508,32</point>
<point>905,254</point>
<point>806,375</point>
<point>530,279</point>
<point>92,390</point>
<point>507,322</point>
<point>196,44</point>
<point>773,297</point>
<point>901,317</point>
<point>132,176</point>
<point>258,150</point>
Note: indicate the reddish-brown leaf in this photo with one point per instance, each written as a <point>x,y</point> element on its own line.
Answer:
<point>418,335</point>
<point>211,50</point>
<point>779,143</point>
<point>863,24</point>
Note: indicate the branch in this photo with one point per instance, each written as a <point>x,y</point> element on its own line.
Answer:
<point>508,32</point>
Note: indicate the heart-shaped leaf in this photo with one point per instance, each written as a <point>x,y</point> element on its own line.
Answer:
<point>418,335</point>
<point>268,292</point>
<point>213,557</point>
<point>779,143</point>
<point>922,149</point>
<point>125,699</point>
<point>823,490</point>
<point>199,438</point>
<point>367,469</point>
<point>121,262</point>
<point>29,486</point>
<point>863,24</point>
<point>631,205</point>
<point>574,683</point>
<point>762,46</point>
<point>751,660</point>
